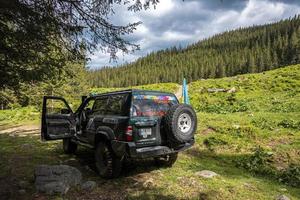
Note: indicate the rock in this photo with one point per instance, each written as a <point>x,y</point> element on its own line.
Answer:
<point>26,146</point>
<point>206,174</point>
<point>22,191</point>
<point>249,186</point>
<point>213,90</point>
<point>232,90</point>
<point>89,185</point>
<point>148,183</point>
<point>52,179</point>
<point>282,197</point>
<point>23,184</point>
<point>55,187</point>
<point>236,126</point>
<point>283,189</point>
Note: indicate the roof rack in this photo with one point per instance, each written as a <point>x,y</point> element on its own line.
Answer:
<point>124,91</point>
<point>92,94</point>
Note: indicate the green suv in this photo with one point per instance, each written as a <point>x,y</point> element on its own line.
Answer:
<point>122,125</point>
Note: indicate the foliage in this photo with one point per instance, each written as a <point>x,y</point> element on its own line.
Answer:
<point>274,91</point>
<point>289,123</point>
<point>69,83</point>
<point>291,176</point>
<point>245,50</point>
<point>232,137</point>
<point>39,39</point>
<point>263,123</point>
<point>19,115</point>
<point>258,162</point>
<point>211,142</point>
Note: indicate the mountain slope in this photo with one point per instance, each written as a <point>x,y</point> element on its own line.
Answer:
<point>245,50</point>
<point>249,136</point>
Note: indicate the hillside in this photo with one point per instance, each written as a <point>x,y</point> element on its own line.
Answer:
<point>245,50</point>
<point>249,136</point>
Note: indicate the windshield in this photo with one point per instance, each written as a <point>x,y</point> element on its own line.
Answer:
<point>151,105</point>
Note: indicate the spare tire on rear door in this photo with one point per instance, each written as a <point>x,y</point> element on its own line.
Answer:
<point>180,123</point>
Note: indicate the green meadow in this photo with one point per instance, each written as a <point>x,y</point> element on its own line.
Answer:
<point>248,133</point>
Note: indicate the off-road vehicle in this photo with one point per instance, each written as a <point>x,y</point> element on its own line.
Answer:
<point>129,124</point>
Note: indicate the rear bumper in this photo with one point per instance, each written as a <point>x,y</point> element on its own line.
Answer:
<point>130,149</point>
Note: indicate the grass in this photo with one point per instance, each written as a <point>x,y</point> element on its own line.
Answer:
<point>264,112</point>
<point>28,115</point>
<point>20,154</point>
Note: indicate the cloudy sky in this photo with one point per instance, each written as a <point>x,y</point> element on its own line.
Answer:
<point>175,22</point>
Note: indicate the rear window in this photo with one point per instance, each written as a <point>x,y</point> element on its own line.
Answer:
<point>151,105</point>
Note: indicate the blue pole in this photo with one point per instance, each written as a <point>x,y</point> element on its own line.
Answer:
<point>185,92</point>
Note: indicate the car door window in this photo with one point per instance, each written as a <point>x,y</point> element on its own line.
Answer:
<point>56,106</point>
<point>100,106</point>
<point>117,105</point>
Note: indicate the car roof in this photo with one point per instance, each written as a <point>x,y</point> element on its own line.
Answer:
<point>134,91</point>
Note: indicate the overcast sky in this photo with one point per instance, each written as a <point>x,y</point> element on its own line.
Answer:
<point>175,23</point>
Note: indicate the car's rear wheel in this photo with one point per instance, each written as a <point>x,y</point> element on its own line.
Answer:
<point>167,160</point>
<point>69,147</point>
<point>107,163</point>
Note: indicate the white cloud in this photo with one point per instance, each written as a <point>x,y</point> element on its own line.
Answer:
<point>174,22</point>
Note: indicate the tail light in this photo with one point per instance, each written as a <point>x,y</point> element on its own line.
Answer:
<point>128,134</point>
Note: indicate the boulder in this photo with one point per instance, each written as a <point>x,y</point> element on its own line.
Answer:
<point>89,185</point>
<point>23,184</point>
<point>232,90</point>
<point>22,192</point>
<point>53,179</point>
<point>148,183</point>
<point>206,174</point>
<point>282,197</point>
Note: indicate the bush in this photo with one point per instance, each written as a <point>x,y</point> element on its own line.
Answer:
<point>19,115</point>
<point>285,107</point>
<point>263,123</point>
<point>212,142</point>
<point>259,162</point>
<point>291,176</point>
<point>243,131</point>
<point>289,123</point>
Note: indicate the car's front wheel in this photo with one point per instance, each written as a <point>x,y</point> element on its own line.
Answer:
<point>69,147</point>
<point>107,163</point>
<point>166,161</point>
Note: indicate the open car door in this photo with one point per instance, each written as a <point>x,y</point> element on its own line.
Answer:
<point>58,119</point>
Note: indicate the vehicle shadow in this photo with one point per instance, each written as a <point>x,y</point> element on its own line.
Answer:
<point>135,177</point>
<point>85,159</point>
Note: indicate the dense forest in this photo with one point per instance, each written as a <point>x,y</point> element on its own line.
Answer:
<point>245,50</point>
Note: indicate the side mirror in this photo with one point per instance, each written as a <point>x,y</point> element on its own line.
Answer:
<point>65,111</point>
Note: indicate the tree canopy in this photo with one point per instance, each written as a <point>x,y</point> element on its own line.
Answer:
<point>43,45</point>
<point>39,37</point>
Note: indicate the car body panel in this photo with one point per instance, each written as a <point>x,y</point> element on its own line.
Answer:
<point>108,120</point>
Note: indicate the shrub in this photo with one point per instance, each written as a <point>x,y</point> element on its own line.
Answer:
<point>285,107</point>
<point>263,123</point>
<point>212,142</point>
<point>289,123</point>
<point>291,176</point>
<point>259,162</point>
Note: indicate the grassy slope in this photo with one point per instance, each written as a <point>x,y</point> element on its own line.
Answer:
<point>264,111</point>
